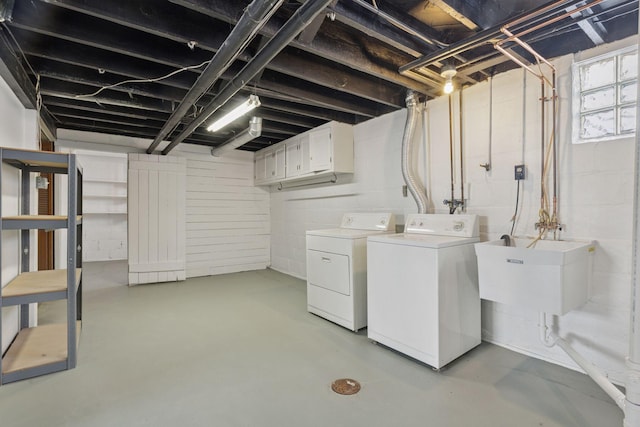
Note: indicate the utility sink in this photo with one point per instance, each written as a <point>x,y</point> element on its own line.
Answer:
<point>551,277</point>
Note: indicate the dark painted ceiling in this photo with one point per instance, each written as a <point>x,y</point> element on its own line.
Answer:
<point>354,62</point>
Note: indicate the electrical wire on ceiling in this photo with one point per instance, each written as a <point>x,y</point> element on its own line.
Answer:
<point>151,80</point>
<point>180,70</point>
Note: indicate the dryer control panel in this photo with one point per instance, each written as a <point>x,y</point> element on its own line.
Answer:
<point>369,221</point>
<point>443,225</point>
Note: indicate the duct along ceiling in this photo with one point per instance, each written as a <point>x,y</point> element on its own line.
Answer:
<point>96,65</point>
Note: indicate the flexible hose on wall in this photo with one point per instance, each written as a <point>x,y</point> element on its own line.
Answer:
<point>414,185</point>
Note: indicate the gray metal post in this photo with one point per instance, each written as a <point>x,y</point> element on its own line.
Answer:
<point>71,260</point>
<point>25,247</point>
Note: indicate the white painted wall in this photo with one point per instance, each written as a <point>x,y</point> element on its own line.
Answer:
<point>104,225</point>
<point>227,218</point>
<point>596,183</point>
<point>18,129</point>
<point>376,186</point>
<point>228,222</point>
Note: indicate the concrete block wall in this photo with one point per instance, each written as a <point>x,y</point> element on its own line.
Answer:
<point>596,190</point>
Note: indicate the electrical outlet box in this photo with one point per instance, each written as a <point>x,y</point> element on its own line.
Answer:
<point>518,172</point>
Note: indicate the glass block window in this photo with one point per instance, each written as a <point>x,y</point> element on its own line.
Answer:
<point>605,93</point>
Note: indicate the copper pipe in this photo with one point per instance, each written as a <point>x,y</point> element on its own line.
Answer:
<point>534,14</point>
<point>461,151</point>
<point>554,145</point>
<point>549,22</point>
<point>527,47</point>
<point>452,205</point>
<point>542,142</point>
<point>517,61</point>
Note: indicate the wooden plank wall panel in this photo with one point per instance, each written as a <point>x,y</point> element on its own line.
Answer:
<point>157,204</point>
<point>227,218</point>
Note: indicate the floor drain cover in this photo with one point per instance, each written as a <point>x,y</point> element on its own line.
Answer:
<point>345,386</point>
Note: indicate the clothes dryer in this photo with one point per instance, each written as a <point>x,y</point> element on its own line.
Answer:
<point>337,268</point>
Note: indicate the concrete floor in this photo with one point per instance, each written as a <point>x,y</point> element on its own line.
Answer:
<point>241,350</point>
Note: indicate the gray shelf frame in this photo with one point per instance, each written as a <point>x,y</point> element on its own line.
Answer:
<point>28,162</point>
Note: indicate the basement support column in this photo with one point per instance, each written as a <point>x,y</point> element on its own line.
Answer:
<point>632,407</point>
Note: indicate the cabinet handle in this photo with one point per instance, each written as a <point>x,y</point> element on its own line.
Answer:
<point>326,259</point>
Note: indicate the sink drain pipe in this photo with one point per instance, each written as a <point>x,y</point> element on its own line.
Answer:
<point>551,339</point>
<point>414,185</point>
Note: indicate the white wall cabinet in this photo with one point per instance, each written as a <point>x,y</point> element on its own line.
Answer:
<point>275,163</point>
<point>321,151</point>
<point>297,156</point>
<point>260,166</point>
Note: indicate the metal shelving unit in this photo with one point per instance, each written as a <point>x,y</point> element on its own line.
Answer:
<point>47,348</point>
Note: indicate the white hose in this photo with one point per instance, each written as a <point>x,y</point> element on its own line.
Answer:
<point>414,185</point>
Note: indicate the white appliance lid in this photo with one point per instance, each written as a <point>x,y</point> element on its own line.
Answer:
<point>443,225</point>
<point>423,240</point>
<point>369,221</point>
<point>345,233</point>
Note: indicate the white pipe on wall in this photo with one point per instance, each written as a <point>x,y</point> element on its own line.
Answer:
<point>550,339</point>
<point>632,410</point>
<point>592,371</point>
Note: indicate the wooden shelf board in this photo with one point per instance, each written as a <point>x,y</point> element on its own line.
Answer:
<point>38,282</point>
<point>106,196</point>
<point>39,346</point>
<point>104,181</point>
<point>38,218</point>
<point>62,163</point>
<point>106,213</point>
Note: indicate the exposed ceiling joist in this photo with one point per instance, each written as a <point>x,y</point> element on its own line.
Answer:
<point>345,69</point>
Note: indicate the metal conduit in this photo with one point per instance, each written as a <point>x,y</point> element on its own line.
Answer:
<point>254,18</point>
<point>415,187</point>
<point>298,21</point>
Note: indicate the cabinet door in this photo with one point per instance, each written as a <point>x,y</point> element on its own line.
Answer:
<point>279,162</point>
<point>292,158</point>
<point>270,164</point>
<point>305,165</point>
<point>320,150</point>
<point>260,167</point>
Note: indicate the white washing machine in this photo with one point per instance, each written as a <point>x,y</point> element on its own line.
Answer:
<point>337,268</point>
<point>422,284</point>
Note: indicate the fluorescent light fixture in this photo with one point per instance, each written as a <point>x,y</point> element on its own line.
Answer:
<point>236,113</point>
<point>448,71</point>
<point>252,132</point>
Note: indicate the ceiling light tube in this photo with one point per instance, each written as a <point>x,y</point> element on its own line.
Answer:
<point>236,113</point>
